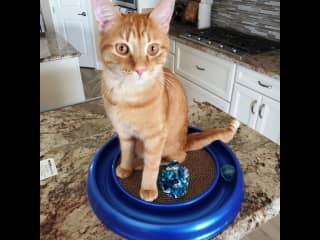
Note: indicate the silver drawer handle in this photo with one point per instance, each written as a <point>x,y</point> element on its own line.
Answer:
<point>260,110</point>
<point>200,68</point>
<point>264,85</point>
<point>82,14</point>
<point>253,104</point>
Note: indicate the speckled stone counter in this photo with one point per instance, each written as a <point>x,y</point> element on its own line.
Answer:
<point>55,47</point>
<point>72,136</point>
<point>267,63</point>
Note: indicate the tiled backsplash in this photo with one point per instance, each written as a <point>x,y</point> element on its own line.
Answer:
<point>258,17</point>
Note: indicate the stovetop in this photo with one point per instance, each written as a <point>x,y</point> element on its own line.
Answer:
<point>234,42</point>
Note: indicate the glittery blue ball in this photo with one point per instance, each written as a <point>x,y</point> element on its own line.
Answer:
<point>174,180</point>
<point>228,172</point>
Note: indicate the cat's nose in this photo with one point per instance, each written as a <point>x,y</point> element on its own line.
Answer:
<point>140,71</point>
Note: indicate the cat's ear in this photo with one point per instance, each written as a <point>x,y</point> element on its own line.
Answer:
<point>162,14</point>
<point>106,14</point>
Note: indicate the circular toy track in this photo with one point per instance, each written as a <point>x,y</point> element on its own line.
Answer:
<point>202,217</point>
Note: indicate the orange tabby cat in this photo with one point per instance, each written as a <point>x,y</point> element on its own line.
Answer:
<point>145,102</point>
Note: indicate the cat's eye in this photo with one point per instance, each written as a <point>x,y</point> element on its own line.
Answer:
<point>153,49</point>
<point>122,48</point>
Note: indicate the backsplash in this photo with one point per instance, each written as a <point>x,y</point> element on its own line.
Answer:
<point>257,17</point>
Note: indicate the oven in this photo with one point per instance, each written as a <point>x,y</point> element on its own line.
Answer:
<point>139,6</point>
<point>126,3</point>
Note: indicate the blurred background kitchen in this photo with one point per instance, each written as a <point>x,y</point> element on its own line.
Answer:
<point>225,52</point>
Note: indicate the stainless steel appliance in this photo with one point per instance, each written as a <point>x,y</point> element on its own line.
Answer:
<point>138,5</point>
<point>236,43</point>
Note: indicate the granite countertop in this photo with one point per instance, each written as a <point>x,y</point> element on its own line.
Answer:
<point>54,47</point>
<point>267,63</point>
<point>72,136</point>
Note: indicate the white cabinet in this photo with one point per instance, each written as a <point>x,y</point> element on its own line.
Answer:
<point>259,82</point>
<point>255,102</point>
<point>172,46</point>
<point>247,95</point>
<point>268,122</point>
<point>170,58</point>
<point>245,104</point>
<point>194,92</point>
<point>170,62</point>
<point>60,83</point>
<point>212,73</point>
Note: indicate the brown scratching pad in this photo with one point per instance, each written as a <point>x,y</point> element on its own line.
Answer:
<point>202,171</point>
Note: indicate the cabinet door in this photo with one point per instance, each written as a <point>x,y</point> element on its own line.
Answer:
<point>268,122</point>
<point>170,62</point>
<point>194,92</point>
<point>244,105</point>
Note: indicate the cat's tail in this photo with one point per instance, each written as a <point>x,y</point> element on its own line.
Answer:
<point>198,140</point>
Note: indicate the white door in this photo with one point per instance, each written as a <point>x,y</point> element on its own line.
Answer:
<point>245,104</point>
<point>268,122</point>
<point>73,20</point>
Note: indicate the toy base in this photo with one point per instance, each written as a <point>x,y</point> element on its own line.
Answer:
<point>202,217</point>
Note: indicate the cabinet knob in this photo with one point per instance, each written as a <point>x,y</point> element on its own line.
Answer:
<point>253,104</point>
<point>260,110</point>
<point>82,14</point>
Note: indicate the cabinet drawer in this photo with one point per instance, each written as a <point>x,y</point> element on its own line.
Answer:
<point>170,62</point>
<point>207,71</point>
<point>259,82</point>
<point>171,46</point>
<point>199,94</point>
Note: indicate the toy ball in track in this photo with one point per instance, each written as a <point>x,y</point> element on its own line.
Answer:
<point>174,180</point>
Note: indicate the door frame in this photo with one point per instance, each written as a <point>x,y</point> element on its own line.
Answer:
<point>92,25</point>
<point>94,40</point>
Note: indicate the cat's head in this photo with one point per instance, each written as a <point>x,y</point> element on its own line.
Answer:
<point>134,46</point>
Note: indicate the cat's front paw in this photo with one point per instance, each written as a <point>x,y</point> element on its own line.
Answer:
<point>148,195</point>
<point>123,173</point>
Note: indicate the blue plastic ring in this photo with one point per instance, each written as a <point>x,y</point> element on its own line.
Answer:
<point>202,217</point>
